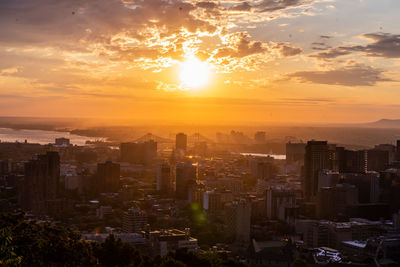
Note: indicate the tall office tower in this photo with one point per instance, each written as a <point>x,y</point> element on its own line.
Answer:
<point>40,184</point>
<point>164,178</point>
<point>377,160</point>
<point>333,201</point>
<point>319,155</point>
<point>295,152</point>
<point>4,167</point>
<point>367,184</point>
<point>351,161</point>
<point>212,203</point>
<point>134,221</point>
<point>259,137</point>
<point>237,218</point>
<point>138,153</point>
<point>108,175</point>
<point>181,141</point>
<point>277,201</point>
<point>398,150</point>
<point>186,176</point>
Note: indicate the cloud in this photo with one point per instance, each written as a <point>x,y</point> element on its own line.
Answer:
<point>239,45</point>
<point>354,75</point>
<point>384,45</point>
<point>286,50</point>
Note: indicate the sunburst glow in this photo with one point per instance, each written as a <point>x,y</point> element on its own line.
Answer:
<point>194,73</point>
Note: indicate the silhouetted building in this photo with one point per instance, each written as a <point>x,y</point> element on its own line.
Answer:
<point>389,187</point>
<point>391,150</point>
<point>319,155</point>
<point>108,175</point>
<point>181,141</point>
<point>377,160</point>
<point>353,161</point>
<point>164,179</point>
<point>237,218</point>
<point>186,176</point>
<point>295,152</point>
<point>138,153</point>
<point>332,202</point>
<point>328,178</point>
<point>4,167</point>
<point>280,204</point>
<point>398,150</point>
<point>39,189</point>
<point>212,203</point>
<point>367,184</point>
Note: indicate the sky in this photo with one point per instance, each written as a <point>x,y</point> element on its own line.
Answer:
<point>201,62</point>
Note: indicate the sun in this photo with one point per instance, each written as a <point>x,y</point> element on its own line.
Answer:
<point>194,73</point>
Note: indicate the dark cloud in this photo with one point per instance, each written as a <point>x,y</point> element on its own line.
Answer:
<point>383,45</point>
<point>330,53</point>
<point>286,50</point>
<point>355,75</point>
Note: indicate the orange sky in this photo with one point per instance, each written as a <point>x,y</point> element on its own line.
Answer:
<point>269,61</point>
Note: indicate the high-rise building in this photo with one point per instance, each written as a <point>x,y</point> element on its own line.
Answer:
<point>164,179</point>
<point>295,152</point>
<point>259,137</point>
<point>279,200</point>
<point>40,185</point>
<point>367,184</point>
<point>319,155</point>
<point>186,176</point>
<point>4,167</point>
<point>351,161</point>
<point>212,203</point>
<point>108,175</point>
<point>328,178</point>
<point>377,160</point>
<point>138,153</point>
<point>134,221</point>
<point>181,142</point>
<point>237,217</point>
<point>398,150</point>
<point>333,201</point>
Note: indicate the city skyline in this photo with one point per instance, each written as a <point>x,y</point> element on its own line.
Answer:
<point>254,62</point>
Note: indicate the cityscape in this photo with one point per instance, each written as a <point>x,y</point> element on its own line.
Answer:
<point>200,133</point>
<point>316,205</point>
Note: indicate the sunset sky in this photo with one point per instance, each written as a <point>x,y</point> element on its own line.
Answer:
<point>201,61</point>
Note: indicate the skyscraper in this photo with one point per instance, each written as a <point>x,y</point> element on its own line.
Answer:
<point>319,155</point>
<point>181,141</point>
<point>295,152</point>
<point>186,175</point>
<point>108,175</point>
<point>237,217</point>
<point>164,178</point>
<point>40,184</point>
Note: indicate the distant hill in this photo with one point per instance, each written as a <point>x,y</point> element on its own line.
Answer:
<point>383,123</point>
